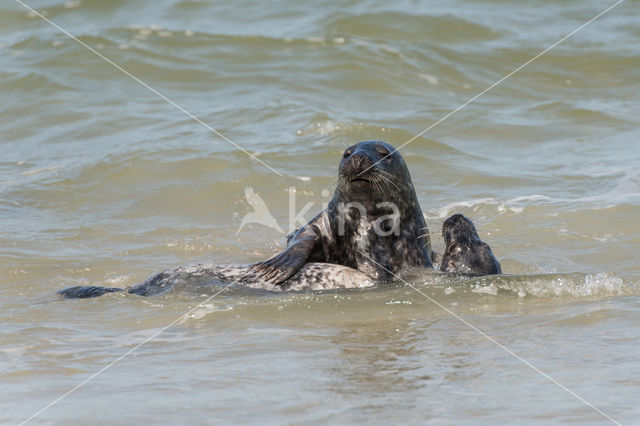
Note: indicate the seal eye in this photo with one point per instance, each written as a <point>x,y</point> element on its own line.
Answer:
<point>347,154</point>
<point>383,152</point>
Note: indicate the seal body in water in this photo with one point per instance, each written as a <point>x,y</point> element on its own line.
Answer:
<point>373,223</point>
<point>372,227</point>
<point>465,252</point>
<point>312,276</point>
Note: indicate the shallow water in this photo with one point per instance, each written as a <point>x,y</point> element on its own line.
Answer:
<point>104,183</point>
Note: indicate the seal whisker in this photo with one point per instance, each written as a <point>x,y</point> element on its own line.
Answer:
<point>386,173</point>
<point>376,182</point>
<point>382,188</point>
<point>342,182</point>
<point>387,183</point>
<point>381,185</point>
<point>386,179</point>
<point>391,177</point>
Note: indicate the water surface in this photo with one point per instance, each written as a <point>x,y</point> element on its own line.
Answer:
<point>103,182</point>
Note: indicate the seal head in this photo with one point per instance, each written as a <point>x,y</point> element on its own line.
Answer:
<point>465,252</point>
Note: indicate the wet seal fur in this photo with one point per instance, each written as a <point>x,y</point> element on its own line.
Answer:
<point>312,276</point>
<point>465,252</point>
<point>373,223</point>
<point>372,228</point>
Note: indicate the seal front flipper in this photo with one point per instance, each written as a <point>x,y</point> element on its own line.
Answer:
<point>283,266</point>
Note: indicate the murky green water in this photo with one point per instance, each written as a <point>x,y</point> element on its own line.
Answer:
<point>103,182</point>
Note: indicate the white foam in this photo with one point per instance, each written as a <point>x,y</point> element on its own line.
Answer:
<point>204,310</point>
<point>445,211</point>
<point>323,128</point>
<point>489,289</point>
<point>627,191</point>
<point>122,279</point>
<point>572,285</point>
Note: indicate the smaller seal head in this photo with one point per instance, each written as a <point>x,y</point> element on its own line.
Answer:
<point>465,252</point>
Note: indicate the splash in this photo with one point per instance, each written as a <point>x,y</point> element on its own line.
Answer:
<point>553,285</point>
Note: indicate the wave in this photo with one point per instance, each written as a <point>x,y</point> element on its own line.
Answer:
<point>574,285</point>
<point>411,27</point>
<point>626,192</point>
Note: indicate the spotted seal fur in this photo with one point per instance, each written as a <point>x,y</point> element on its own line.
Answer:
<point>312,276</point>
<point>465,252</point>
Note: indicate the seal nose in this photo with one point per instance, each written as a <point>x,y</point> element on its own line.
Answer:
<point>358,162</point>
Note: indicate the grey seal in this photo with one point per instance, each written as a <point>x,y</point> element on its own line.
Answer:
<point>465,252</point>
<point>373,223</point>
<point>372,228</point>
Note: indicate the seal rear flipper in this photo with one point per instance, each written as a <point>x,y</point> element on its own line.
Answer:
<point>153,286</point>
<point>86,291</point>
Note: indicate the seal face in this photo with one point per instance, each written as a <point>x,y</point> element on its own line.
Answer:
<point>373,223</point>
<point>465,252</point>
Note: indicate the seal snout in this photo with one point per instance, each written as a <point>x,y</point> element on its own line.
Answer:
<point>355,166</point>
